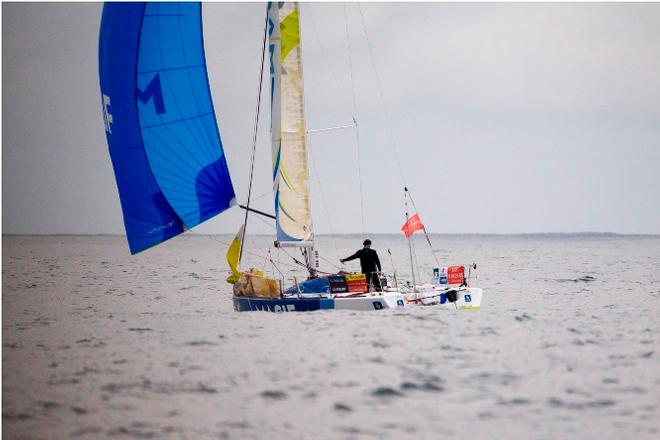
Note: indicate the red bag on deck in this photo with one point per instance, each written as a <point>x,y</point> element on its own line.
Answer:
<point>455,275</point>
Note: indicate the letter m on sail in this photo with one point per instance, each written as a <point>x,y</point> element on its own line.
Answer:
<point>153,90</point>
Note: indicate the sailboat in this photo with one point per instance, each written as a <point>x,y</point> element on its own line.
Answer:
<point>171,170</point>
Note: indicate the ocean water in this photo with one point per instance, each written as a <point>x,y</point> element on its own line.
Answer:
<point>99,344</point>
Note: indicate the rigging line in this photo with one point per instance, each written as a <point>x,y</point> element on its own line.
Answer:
<point>267,259</point>
<point>298,262</point>
<point>414,263</point>
<point>217,240</point>
<point>426,234</point>
<point>382,98</point>
<point>275,267</point>
<point>325,58</point>
<point>357,128</point>
<point>389,125</point>
<point>416,260</point>
<point>409,237</point>
<point>325,204</point>
<point>293,258</point>
<point>254,254</point>
<point>339,127</point>
<point>266,222</point>
<point>295,266</point>
<point>260,196</point>
<point>330,262</point>
<point>279,254</point>
<point>306,266</point>
<point>254,138</point>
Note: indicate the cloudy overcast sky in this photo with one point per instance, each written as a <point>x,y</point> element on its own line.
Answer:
<point>507,118</point>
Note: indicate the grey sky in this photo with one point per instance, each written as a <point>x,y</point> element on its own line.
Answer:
<point>507,117</point>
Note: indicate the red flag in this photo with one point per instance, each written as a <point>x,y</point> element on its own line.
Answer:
<point>413,224</point>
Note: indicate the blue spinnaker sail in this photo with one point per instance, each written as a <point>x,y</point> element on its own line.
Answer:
<point>160,123</point>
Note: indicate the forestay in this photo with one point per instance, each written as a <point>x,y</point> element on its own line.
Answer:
<point>160,122</point>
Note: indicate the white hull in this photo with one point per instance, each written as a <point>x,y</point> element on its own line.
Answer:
<point>467,298</point>
<point>388,300</point>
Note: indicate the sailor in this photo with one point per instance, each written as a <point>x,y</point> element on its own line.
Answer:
<point>369,263</point>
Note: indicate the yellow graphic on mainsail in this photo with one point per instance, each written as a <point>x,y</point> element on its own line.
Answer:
<point>290,172</point>
<point>290,33</point>
<point>233,255</point>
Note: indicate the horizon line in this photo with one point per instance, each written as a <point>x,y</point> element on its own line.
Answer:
<point>353,234</point>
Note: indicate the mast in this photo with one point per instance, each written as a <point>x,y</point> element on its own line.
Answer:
<point>412,264</point>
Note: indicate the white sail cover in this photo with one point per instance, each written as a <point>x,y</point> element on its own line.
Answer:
<point>290,172</point>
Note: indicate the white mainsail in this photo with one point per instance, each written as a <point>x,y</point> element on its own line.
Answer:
<point>289,143</point>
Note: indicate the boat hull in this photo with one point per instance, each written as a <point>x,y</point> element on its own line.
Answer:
<point>466,299</point>
<point>363,303</point>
